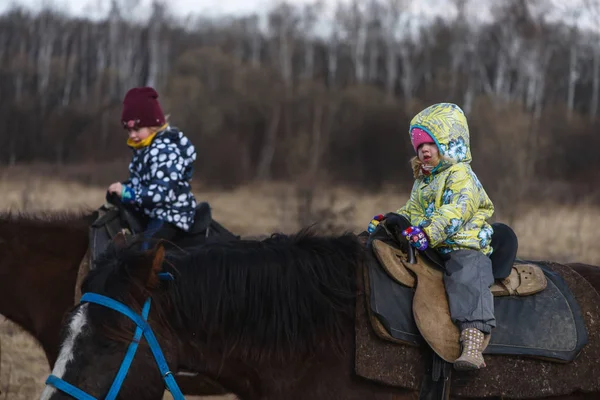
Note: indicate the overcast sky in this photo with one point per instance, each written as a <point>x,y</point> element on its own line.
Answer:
<point>180,7</point>
<point>420,8</point>
<point>206,7</point>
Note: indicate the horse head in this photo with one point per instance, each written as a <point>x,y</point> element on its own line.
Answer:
<point>103,337</point>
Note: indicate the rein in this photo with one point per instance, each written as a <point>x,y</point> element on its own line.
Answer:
<point>142,329</point>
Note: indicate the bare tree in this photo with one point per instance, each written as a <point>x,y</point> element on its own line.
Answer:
<point>47,34</point>
<point>115,35</point>
<point>573,75</point>
<point>283,26</point>
<point>593,9</point>
<point>247,29</point>
<point>392,33</point>
<point>310,18</point>
<point>84,64</point>
<point>156,58</point>
<point>353,22</point>
<point>332,56</point>
<point>573,16</point>
<point>408,79</point>
<point>101,62</point>
<point>375,13</point>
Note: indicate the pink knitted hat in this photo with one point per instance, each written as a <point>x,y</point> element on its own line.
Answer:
<point>418,136</point>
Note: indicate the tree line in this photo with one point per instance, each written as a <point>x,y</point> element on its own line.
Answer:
<point>281,97</point>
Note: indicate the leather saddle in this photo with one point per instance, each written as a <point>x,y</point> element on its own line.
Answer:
<point>117,217</point>
<point>114,218</point>
<point>424,272</point>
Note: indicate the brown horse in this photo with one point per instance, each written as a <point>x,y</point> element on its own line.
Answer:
<point>269,320</point>
<point>39,260</point>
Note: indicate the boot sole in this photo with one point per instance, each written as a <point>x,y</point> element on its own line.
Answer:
<point>466,366</point>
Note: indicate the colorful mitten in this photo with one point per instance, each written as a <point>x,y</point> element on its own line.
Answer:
<point>374,222</point>
<point>416,237</point>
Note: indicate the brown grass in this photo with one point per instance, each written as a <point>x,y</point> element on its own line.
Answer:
<point>549,232</point>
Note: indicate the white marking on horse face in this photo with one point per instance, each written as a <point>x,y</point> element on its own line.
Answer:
<point>66,352</point>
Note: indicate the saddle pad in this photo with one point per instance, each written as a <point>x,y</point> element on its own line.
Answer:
<point>510,376</point>
<point>548,324</point>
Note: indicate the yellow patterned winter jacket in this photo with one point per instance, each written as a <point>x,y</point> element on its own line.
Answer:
<point>450,205</point>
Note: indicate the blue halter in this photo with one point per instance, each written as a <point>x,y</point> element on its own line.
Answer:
<point>142,328</point>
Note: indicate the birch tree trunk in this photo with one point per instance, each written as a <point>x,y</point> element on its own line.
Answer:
<point>255,41</point>
<point>375,14</point>
<point>283,25</point>
<point>359,52</point>
<point>573,77</point>
<point>154,44</point>
<point>332,58</point>
<point>595,83</point>
<point>70,60</point>
<point>84,42</point>
<point>263,170</point>
<point>47,34</point>
<point>101,63</point>
<point>309,20</point>
<point>391,69</point>
<point>353,20</point>
<point>317,139</point>
<point>407,74</point>
<point>393,11</point>
<point>114,43</point>
<point>19,70</point>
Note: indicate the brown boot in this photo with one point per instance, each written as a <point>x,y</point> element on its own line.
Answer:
<point>472,348</point>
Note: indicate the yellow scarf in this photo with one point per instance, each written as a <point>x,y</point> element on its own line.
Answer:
<point>147,141</point>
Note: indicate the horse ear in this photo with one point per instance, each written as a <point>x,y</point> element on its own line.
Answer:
<point>145,267</point>
<point>158,256</point>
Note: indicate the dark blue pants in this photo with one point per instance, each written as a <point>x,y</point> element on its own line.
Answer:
<point>158,229</point>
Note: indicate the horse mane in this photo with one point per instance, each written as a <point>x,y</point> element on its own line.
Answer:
<point>283,296</point>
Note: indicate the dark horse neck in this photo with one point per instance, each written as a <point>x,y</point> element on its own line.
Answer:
<point>283,305</point>
<point>39,259</point>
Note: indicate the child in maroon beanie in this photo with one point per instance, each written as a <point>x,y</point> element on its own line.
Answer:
<point>160,169</point>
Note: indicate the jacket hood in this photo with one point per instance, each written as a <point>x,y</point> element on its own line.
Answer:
<point>447,125</point>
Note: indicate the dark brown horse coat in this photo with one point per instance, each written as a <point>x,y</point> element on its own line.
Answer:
<point>268,320</point>
<point>39,259</point>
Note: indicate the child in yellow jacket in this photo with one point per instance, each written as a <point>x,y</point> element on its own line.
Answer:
<point>448,210</point>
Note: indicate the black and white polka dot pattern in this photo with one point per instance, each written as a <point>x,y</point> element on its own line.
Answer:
<point>160,178</point>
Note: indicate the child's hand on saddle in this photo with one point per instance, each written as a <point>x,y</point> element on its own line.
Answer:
<point>116,188</point>
<point>416,237</point>
<point>374,222</point>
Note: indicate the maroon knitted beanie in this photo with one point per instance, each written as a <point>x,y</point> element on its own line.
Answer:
<point>142,109</point>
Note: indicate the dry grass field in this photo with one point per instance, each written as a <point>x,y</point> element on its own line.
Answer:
<point>548,232</point>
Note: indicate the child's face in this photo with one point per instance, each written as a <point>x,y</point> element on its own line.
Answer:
<point>428,154</point>
<point>139,134</point>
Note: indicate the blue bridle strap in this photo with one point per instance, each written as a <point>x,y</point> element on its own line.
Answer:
<point>68,388</point>
<point>142,328</point>
<point>116,386</point>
